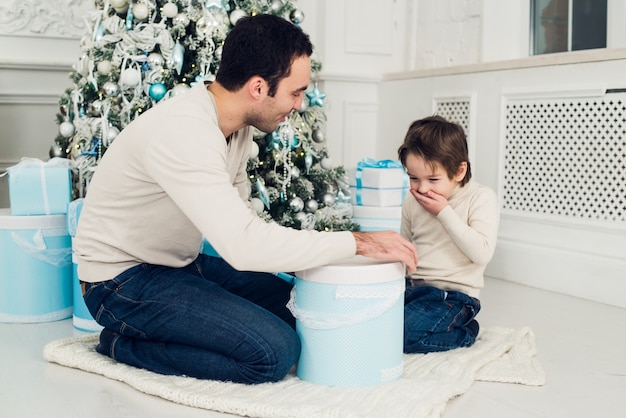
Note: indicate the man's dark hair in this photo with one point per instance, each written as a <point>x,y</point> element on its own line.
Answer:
<point>436,140</point>
<point>263,45</point>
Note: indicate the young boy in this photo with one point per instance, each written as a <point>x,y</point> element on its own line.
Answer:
<point>453,223</point>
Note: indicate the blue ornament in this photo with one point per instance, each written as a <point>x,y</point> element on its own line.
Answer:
<point>316,98</point>
<point>199,79</point>
<point>129,17</point>
<point>263,195</point>
<point>99,32</point>
<point>157,91</point>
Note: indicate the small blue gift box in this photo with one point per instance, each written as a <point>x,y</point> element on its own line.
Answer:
<point>38,188</point>
<point>378,183</point>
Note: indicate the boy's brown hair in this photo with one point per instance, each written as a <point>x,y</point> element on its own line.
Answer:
<point>437,140</point>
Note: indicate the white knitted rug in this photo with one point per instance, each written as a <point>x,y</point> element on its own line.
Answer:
<point>429,381</point>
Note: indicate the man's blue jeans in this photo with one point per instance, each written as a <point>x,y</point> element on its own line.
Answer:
<point>438,320</point>
<point>206,320</point>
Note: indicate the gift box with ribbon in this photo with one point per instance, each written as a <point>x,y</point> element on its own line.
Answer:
<point>40,188</point>
<point>377,218</point>
<point>378,183</point>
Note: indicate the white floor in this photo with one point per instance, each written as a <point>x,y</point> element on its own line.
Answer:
<point>581,347</point>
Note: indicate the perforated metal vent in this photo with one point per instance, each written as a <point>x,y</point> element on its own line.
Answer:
<point>457,111</point>
<point>566,157</point>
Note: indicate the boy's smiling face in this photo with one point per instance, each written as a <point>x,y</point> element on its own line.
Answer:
<point>426,176</point>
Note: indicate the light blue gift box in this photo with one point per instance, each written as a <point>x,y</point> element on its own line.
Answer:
<point>36,273</point>
<point>378,183</point>
<point>38,188</point>
<point>81,318</point>
<point>350,319</point>
<point>377,218</point>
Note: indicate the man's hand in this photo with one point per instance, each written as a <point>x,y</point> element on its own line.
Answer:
<point>431,201</point>
<point>386,245</point>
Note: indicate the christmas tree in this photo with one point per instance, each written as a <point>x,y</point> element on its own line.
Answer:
<point>137,53</point>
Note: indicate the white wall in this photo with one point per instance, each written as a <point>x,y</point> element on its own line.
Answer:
<point>564,253</point>
<point>39,42</point>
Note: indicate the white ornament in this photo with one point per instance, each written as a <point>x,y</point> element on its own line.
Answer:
<point>326,163</point>
<point>179,89</point>
<point>254,150</point>
<point>118,4</point>
<point>170,10</point>
<point>130,77</point>
<point>140,11</point>
<point>104,67</point>
<point>235,15</point>
<point>257,204</point>
<point>67,129</point>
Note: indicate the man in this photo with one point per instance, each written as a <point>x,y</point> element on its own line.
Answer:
<point>178,173</point>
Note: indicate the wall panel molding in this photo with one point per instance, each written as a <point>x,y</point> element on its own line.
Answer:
<point>359,131</point>
<point>50,18</point>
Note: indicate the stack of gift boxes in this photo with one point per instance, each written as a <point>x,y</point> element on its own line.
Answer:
<point>377,190</point>
<point>37,274</point>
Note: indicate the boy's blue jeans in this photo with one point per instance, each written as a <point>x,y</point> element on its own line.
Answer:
<point>438,320</point>
<point>206,320</point>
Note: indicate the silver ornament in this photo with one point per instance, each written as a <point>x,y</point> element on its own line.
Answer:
<point>181,19</point>
<point>66,129</point>
<point>95,108</point>
<point>111,89</point>
<point>296,16</point>
<point>57,151</point>
<point>155,60</point>
<point>311,205</point>
<point>276,5</point>
<point>328,199</point>
<point>318,136</point>
<point>326,163</point>
<point>296,204</point>
<point>111,134</point>
<point>295,172</point>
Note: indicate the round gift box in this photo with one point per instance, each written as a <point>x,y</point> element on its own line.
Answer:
<point>350,319</point>
<point>36,274</point>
